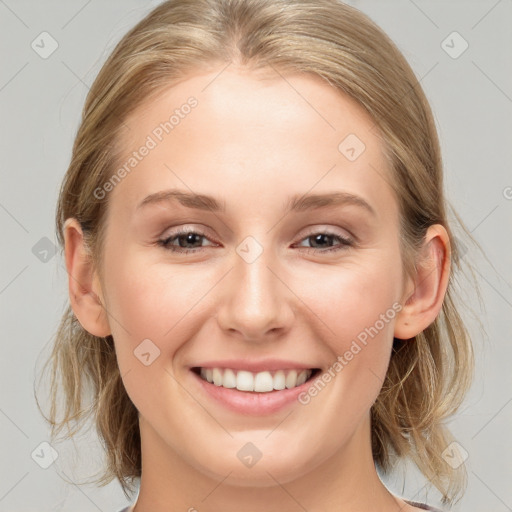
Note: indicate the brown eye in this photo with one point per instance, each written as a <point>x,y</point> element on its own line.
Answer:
<point>184,239</point>
<point>319,239</point>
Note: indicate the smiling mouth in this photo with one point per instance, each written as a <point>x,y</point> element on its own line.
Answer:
<point>259,382</point>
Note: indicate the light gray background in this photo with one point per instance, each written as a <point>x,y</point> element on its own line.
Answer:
<point>41,100</point>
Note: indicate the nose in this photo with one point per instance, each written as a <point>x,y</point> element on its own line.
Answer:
<point>256,302</point>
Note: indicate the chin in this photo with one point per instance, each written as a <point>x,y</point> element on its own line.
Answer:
<point>263,473</point>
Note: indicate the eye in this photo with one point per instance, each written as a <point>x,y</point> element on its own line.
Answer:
<point>184,238</point>
<point>322,237</point>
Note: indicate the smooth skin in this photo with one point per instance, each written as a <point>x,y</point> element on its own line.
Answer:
<point>253,141</point>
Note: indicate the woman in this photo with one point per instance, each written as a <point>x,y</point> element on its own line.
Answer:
<point>236,362</point>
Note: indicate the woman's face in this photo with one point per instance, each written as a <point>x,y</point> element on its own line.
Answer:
<point>264,286</point>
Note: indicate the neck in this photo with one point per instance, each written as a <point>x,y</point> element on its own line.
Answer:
<point>346,481</point>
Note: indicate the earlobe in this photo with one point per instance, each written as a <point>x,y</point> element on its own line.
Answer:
<point>84,288</point>
<point>422,306</point>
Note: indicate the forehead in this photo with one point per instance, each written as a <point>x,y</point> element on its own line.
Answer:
<point>252,136</point>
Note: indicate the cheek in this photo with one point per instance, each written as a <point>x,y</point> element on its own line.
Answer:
<point>353,297</point>
<point>154,301</point>
<point>355,312</point>
<point>150,308</point>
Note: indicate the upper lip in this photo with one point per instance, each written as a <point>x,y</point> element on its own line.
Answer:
<point>255,366</point>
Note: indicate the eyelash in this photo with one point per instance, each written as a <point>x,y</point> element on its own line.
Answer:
<point>165,243</point>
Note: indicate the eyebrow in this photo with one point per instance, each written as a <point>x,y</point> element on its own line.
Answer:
<point>188,199</point>
<point>297,203</point>
<point>316,201</point>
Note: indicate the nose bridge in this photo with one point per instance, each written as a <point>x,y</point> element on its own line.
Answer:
<point>256,302</point>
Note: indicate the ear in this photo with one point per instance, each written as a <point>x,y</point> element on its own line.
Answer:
<point>84,287</point>
<point>425,293</point>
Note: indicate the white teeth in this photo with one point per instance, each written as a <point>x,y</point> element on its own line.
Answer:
<point>291,379</point>
<point>244,381</point>
<point>229,380</point>
<point>279,380</point>
<point>217,377</point>
<point>261,382</point>
<point>301,378</point>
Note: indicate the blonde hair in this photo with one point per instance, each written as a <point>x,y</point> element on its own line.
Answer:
<point>428,375</point>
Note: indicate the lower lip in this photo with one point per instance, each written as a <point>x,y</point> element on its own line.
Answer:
<point>246,402</point>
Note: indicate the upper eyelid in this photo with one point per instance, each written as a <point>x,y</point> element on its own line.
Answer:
<point>186,230</point>
<point>203,233</point>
